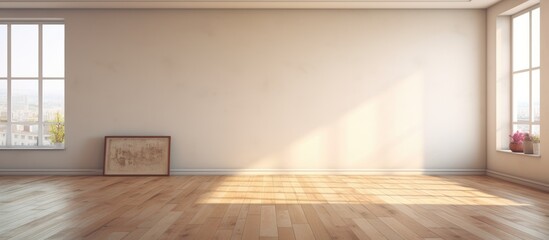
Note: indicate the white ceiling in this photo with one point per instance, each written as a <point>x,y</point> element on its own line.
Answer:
<point>297,4</point>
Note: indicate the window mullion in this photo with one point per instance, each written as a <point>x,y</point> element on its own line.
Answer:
<point>521,71</point>
<point>512,77</point>
<point>531,118</point>
<point>521,122</point>
<point>40,86</point>
<point>8,125</point>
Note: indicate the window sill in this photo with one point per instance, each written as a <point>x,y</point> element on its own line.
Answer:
<point>32,148</point>
<point>519,153</point>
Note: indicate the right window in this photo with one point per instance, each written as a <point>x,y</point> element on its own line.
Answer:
<point>526,71</point>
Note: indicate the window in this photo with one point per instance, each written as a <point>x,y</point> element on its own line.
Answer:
<point>32,84</point>
<point>526,71</point>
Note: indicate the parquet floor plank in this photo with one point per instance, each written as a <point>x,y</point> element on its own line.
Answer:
<point>270,207</point>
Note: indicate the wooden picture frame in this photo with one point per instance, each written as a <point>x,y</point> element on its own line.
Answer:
<point>137,156</point>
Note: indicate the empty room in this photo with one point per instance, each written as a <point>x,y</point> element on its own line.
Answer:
<point>267,119</point>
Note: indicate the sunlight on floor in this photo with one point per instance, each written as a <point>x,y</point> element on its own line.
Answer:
<point>347,190</point>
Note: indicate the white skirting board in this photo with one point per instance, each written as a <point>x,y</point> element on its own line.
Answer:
<point>177,172</point>
<point>56,172</point>
<point>328,171</point>
<point>518,180</point>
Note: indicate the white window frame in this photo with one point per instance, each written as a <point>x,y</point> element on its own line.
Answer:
<point>530,69</point>
<point>40,78</point>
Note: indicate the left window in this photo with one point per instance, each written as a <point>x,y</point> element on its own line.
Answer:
<point>32,84</point>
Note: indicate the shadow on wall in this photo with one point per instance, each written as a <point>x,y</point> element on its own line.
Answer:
<point>385,129</point>
<point>235,90</point>
<point>315,124</point>
<point>321,126</point>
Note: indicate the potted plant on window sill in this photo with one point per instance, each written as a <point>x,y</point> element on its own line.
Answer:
<point>57,131</point>
<point>527,144</point>
<point>536,144</point>
<point>516,142</point>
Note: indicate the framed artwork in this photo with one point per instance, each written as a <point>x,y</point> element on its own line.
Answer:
<point>137,155</point>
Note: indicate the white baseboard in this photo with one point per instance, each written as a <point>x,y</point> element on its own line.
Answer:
<point>328,171</point>
<point>176,172</point>
<point>518,180</point>
<point>29,172</point>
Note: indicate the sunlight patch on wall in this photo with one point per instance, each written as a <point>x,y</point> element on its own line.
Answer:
<point>387,127</point>
<point>386,131</point>
<point>312,148</point>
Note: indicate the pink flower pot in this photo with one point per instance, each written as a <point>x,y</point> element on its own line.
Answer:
<point>516,147</point>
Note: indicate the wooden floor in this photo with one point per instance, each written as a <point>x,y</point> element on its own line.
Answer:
<point>271,207</point>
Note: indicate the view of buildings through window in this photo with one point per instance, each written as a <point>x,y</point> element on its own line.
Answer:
<point>526,71</point>
<point>32,71</point>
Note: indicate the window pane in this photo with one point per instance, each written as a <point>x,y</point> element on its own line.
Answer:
<point>521,42</point>
<point>521,99</point>
<point>3,50</point>
<point>24,100</point>
<point>24,50</point>
<point>3,135</point>
<point>47,136</point>
<point>53,50</point>
<point>24,135</point>
<point>521,128</point>
<point>535,96</point>
<point>53,99</point>
<point>535,38</point>
<point>535,130</point>
<point>53,134</point>
<point>3,101</point>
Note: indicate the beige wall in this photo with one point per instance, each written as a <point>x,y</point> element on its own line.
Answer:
<point>275,89</point>
<point>528,168</point>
